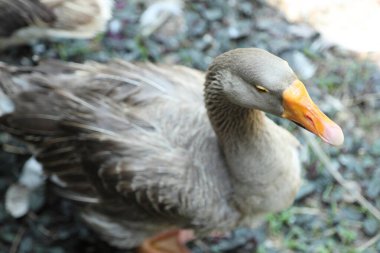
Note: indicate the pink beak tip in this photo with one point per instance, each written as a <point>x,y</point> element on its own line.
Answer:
<point>333,135</point>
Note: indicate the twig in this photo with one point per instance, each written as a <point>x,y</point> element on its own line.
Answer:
<point>369,243</point>
<point>17,240</point>
<point>306,210</point>
<point>14,149</point>
<point>326,161</point>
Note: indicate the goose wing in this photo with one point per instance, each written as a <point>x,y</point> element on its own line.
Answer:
<point>90,126</point>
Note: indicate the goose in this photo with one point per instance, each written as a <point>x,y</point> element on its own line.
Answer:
<point>154,153</point>
<point>22,21</point>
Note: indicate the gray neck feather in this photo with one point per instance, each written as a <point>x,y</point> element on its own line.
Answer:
<point>238,130</point>
<point>232,123</point>
<point>262,162</point>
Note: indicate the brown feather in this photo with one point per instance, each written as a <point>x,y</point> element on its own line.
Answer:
<point>133,143</point>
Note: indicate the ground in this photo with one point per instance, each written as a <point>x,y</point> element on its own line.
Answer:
<point>337,209</point>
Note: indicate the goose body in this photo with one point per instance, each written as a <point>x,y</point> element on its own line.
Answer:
<point>137,147</point>
<point>23,21</point>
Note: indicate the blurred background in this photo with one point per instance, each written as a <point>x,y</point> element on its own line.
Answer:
<point>334,47</point>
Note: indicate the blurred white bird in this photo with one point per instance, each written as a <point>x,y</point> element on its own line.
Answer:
<point>23,21</point>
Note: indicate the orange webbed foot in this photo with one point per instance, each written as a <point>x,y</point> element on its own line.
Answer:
<point>172,241</point>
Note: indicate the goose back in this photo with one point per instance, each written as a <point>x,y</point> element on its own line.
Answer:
<point>124,133</point>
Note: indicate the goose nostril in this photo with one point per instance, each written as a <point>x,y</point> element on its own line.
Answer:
<point>309,120</point>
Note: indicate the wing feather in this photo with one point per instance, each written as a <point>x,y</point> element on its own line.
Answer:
<point>97,142</point>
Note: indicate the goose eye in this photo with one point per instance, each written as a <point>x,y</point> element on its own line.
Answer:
<point>261,88</point>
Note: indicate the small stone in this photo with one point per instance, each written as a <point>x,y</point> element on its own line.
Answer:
<point>348,160</point>
<point>239,30</point>
<point>32,175</point>
<point>370,226</point>
<point>246,8</point>
<point>303,67</point>
<point>36,199</point>
<point>350,213</point>
<point>17,200</point>
<point>26,244</point>
<point>264,24</point>
<point>375,149</point>
<point>213,14</point>
<point>302,30</point>
<point>331,105</point>
<point>279,45</point>
<point>373,188</point>
<point>6,105</point>
<point>115,26</point>
<point>198,25</point>
<point>306,190</point>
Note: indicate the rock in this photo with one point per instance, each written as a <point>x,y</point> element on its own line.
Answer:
<point>6,105</point>
<point>213,14</point>
<point>115,26</point>
<point>349,213</point>
<point>19,195</point>
<point>331,105</point>
<point>264,24</point>
<point>306,190</point>
<point>348,160</point>
<point>198,25</point>
<point>302,30</point>
<point>373,188</point>
<point>17,200</point>
<point>246,8</point>
<point>371,226</point>
<point>32,174</point>
<point>163,17</point>
<point>239,30</point>
<point>375,149</point>
<point>303,67</point>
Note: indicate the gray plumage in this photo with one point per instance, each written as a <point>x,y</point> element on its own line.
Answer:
<point>134,145</point>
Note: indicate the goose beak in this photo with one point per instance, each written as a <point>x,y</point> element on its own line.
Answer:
<point>299,108</point>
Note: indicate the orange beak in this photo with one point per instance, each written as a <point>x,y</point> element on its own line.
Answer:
<point>299,107</point>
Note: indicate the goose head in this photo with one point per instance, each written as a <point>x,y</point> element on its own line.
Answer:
<point>254,78</point>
